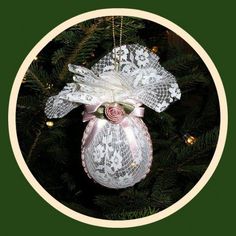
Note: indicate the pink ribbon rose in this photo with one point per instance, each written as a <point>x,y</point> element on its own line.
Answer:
<point>114,113</point>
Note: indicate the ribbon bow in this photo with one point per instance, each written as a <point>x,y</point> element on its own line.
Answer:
<point>120,118</point>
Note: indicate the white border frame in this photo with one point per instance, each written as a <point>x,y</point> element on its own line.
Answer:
<point>118,223</point>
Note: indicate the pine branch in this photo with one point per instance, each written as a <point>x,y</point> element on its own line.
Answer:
<point>36,139</point>
<point>192,80</point>
<point>179,65</point>
<point>128,199</point>
<point>204,143</point>
<point>71,58</point>
<point>28,102</point>
<point>128,215</point>
<point>57,55</point>
<point>36,78</point>
<point>165,191</point>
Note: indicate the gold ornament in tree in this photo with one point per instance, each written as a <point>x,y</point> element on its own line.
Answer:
<point>49,123</point>
<point>189,139</point>
<point>154,49</point>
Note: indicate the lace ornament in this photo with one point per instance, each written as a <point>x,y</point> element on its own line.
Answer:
<point>116,146</point>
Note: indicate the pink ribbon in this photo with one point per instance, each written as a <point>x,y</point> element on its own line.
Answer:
<point>130,136</point>
<point>99,123</point>
<point>90,109</point>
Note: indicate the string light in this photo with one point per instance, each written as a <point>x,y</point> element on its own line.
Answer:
<point>24,80</point>
<point>189,139</point>
<point>36,58</point>
<point>49,86</point>
<point>49,123</point>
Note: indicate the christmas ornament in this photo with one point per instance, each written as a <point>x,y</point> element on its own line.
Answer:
<point>116,146</point>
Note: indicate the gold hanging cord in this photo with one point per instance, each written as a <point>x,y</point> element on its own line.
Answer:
<point>117,63</point>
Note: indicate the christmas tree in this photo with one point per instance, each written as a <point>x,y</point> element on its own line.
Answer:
<point>184,136</point>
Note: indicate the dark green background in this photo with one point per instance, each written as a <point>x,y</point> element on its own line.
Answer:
<point>23,24</point>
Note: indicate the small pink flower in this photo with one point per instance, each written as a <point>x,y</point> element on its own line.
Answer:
<point>114,113</point>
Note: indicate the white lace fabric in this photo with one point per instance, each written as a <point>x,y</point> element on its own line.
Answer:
<point>141,77</point>
<point>141,80</point>
<point>108,158</point>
